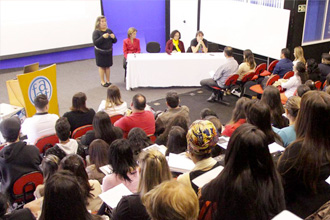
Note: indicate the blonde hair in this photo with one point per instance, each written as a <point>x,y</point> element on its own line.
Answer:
<point>98,21</point>
<point>172,200</point>
<point>299,54</point>
<point>113,97</point>
<point>130,31</point>
<point>293,105</point>
<point>154,170</point>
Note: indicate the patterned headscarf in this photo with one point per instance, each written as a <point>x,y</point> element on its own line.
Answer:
<point>201,137</point>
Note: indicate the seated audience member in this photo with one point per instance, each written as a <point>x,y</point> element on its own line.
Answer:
<point>154,170</point>
<point>98,157</point>
<point>207,112</point>
<point>201,138</point>
<point>288,134</point>
<point>176,141</point>
<point>130,45</point>
<point>313,70</point>
<point>125,169</point>
<point>173,109</point>
<point>300,77</point>
<point>248,65</point>
<point>228,68</point>
<point>64,200</point>
<point>310,84</point>
<point>327,82</point>
<point>198,44</point>
<point>79,115</point>
<point>16,158</point>
<point>305,164</point>
<point>302,89</point>
<point>168,201</point>
<point>216,122</point>
<point>49,166</point>
<point>178,120</point>
<point>271,97</point>
<point>19,214</point>
<point>324,66</point>
<point>238,117</point>
<point>102,129</point>
<point>40,124</point>
<point>139,118</point>
<point>138,140</point>
<point>174,45</point>
<point>67,145</point>
<point>284,65</point>
<point>298,54</point>
<point>258,114</point>
<point>249,186</point>
<point>113,105</point>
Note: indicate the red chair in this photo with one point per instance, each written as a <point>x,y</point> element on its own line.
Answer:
<point>260,69</point>
<point>288,75</point>
<point>270,68</point>
<point>45,142</point>
<point>258,88</point>
<point>231,80</point>
<point>152,137</point>
<point>318,85</point>
<point>78,132</point>
<point>247,77</point>
<point>115,118</point>
<point>25,186</point>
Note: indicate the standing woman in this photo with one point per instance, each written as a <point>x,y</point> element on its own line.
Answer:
<point>103,38</point>
<point>174,45</point>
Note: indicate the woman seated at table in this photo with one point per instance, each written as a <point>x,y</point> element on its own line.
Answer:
<point>199,44</point>
<point>130,45</point>
<point>174,45</point>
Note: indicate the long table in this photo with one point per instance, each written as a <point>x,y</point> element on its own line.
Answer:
<point>164,70</point>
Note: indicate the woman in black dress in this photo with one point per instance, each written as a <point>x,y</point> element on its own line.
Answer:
<point>103,38</point>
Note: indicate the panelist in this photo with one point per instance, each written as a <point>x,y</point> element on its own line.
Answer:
<point>174,45</point>
<point>103,38</point>
<point>199,44</point>
<point>130,45</point>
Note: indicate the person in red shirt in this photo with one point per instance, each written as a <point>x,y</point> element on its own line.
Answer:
<point>130,45</point>
<point>174,45</point>
<point>139,118</point>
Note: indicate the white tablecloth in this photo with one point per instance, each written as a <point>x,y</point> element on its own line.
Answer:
<point>163,70</point>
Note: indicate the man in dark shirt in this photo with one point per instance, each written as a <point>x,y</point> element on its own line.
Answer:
<point>324,66</point>
<point>16,158</point>
<point>284,65</point>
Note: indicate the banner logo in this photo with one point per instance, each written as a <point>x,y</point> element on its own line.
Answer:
<point>40,85</point>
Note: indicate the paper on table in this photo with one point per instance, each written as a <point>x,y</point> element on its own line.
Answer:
<point>160,148</point>
<point>223,142</point>
<point>180,163</point>
<point>207,177</point>
<point>274,147</point>
<point>114,195</point>
<point>286,215</point>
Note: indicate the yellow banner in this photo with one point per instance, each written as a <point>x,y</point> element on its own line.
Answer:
<point>39,82</point>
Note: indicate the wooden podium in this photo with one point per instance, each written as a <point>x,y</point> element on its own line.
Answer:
<point>26,87</point>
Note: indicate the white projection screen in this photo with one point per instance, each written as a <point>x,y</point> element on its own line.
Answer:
<point>39,25</point>
<point>262,29</point>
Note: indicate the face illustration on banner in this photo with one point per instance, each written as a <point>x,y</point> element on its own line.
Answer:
<point>40,85</point>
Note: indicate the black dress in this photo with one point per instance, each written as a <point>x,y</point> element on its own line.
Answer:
<point>103,48</point>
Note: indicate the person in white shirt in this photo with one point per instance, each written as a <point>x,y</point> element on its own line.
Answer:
<point>114,105</point>
<point>40,124</point>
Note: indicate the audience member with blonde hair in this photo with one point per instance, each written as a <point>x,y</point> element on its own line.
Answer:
<point>172,200</point>
<point>288,134</point>
<point>298,53</point>
<point>153,171</point>
<point>113,105</point>
<point>248,65</point>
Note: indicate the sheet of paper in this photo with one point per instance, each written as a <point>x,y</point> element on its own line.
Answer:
<point>207,177</point>
<point>274,147</point>
<point>160,148</point>
<point>107,169</point>
<point>223,142</point>
<point>114,195</point>
<point>286,215</point>
<point>180,163</point>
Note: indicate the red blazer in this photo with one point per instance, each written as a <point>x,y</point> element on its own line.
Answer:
<point>169,46</point>
<point>128,47</point>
